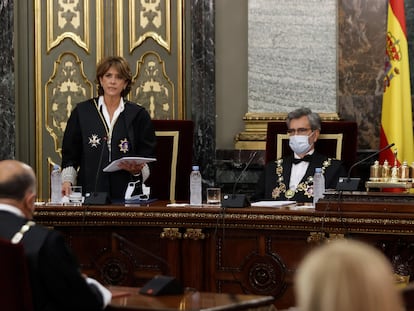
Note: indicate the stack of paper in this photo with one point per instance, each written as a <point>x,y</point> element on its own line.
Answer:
<point>273,203</point>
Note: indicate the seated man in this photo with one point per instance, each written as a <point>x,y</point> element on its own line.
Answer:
<point>291,177</point>
<point>55,277</point>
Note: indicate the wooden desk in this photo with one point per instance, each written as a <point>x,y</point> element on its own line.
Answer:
<point>130,299</point>
<point>246,250</point>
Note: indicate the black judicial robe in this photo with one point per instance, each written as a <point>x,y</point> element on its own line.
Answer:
<point>270,182</point>
<point>56,280</point>
<point>85,145</point>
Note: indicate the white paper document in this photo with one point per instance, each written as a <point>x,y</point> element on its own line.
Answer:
<point>273,203</point>
<point>114,165</point>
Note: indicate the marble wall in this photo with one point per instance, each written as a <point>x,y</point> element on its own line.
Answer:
<point>7,107</point>
<point>293,62</point>
<point>203,87</point>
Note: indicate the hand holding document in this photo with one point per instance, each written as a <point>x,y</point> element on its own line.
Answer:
<point>114,165</point>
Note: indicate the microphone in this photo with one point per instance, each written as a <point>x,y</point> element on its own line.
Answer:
<point>351,184</point>
<point>98,198</point>
<point>160,284</point>
<point>238,200</point>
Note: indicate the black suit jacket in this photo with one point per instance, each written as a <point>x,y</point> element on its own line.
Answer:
<point>56,280</point>
<point>268,180</point>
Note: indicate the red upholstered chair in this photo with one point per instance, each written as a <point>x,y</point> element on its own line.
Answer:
<point>170,174</point>
<point>15,290</point>
<point>338,140</point>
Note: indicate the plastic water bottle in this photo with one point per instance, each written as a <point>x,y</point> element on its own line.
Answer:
<point>318,185</point>
<point>195,186</point>
<point>56,185</point>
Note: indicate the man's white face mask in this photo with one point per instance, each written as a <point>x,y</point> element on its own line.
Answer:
<point>300,143</point>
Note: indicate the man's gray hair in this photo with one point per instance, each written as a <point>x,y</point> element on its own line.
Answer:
<point>314,118</point>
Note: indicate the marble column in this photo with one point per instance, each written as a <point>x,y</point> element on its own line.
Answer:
<point>7,107</point>
<point>203,87</point>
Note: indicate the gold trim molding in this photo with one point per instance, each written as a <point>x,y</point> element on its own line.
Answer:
<point>67,86</point>
<point>337,137</point>
<point>175,135</point>
<point>66,17</point>
<point>335,225</point>
<point>148,20</point>
<point>254,136</point>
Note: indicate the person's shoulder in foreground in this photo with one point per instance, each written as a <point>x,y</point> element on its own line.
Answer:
<point>346,275</point>
<point>55,277</point>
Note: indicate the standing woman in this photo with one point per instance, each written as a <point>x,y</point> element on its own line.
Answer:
<point>103,129</point>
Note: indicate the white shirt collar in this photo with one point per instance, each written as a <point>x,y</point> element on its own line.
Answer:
<point>102,108</point>
<point>11,209</point>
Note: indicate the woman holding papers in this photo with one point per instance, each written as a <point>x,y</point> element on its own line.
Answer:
<point>107,128</point>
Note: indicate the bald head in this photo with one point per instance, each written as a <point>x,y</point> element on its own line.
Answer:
<point>16,180</point>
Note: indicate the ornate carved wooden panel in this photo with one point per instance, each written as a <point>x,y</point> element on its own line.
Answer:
<point>72,36</point>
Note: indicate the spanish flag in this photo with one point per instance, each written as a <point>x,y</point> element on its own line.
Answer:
<point>396,118</point>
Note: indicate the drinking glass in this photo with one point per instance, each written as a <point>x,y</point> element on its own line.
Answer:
<point>213,196</point>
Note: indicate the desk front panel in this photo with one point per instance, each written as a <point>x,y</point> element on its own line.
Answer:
<point>249,251</point>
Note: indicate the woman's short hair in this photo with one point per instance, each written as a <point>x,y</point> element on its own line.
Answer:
<point>123,68</point>
<point>346,275</point>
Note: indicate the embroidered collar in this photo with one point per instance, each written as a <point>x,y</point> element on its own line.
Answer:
<point>18,236</point>
<point>305,186</point>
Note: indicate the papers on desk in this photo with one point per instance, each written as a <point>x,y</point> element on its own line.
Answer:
<point>273,203</point>
<point>291,205</point>
<point>114,165</point>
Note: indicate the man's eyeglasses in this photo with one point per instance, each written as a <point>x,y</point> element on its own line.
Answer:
<point>299,131</point>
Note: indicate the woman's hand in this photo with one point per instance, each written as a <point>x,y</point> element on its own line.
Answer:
<point>66,188</point>
<point>131,167</point>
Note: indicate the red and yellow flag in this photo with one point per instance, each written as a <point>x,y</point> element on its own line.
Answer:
<point>396,118</point>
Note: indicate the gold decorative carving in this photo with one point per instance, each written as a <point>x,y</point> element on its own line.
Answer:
<point>176,136</point>
<point>150,19</point>
<point>316,237</point>
<point>335,236</point>
<point>170,233</point>
<point>254,136</point>
<point>152,88</point>
<point>194,234</point>
<point>252,220</point>
<point>67,86</point>
<point>67,19</point>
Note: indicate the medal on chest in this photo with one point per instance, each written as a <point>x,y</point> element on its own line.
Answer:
<point>94,141</point>
<point>124,145</point>
<point>306,186</point>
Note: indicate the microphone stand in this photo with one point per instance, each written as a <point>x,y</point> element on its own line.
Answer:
<point>352,184</point>
<point>160,284</point>
<point>238,200</point>
<point>98,198</point>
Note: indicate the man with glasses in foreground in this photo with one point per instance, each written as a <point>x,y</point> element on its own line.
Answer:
<point>291,178</point>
